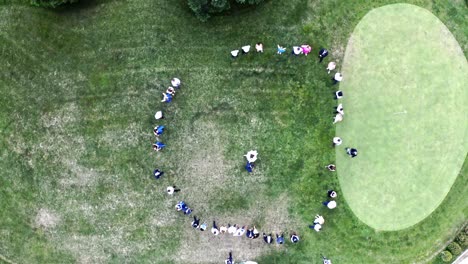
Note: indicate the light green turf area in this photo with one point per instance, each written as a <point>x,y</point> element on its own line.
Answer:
<point>405,80</point>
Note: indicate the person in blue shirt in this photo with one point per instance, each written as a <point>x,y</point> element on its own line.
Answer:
<point>181,206</point>
<point>249,166</point>
<point>158,130</point>
<point>157,173</point>
<point>167,97</point>
<point>187,211</point>
<point>279,239</point>
<point>158,146</point>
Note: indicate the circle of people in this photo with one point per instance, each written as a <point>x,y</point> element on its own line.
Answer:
<point>252,155</point>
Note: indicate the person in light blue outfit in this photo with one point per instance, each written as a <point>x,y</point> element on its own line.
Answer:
<point>158,130</point>
<point>281,50</point>
<point>158,146</point>
<point>279,239</point>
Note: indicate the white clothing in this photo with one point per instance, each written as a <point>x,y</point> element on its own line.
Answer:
<point>170,190</point>
<point>239,232</point>
<point>331,66</point>
<point>158,115</point>
<point>251,156</point>
<point>246,49</point>
<point>170,90</point>
<point>259,47</point>
<point>214,231</point>
<point>317,227</point>
<point>331,204</point>
<point>340,109</point>
<point>165,97</point>
<point>338,77</point>
<point>297,50</point>
<point>234,53</point>
<point>337,94</point>
<point>338,118</point>
<point>337,141</point>
<point>319,220</point>
<point>327,261</point>
<point>232,229</point>
<point>223,229</point>
<point>333,194</point>
<point>175,82</point>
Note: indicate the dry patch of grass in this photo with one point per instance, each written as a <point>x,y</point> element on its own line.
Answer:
<point>46,219</point>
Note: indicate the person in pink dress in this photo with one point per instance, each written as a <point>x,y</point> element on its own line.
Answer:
<point>306,49</point>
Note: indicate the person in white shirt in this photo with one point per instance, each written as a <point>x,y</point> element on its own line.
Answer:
<point>330,204</point>
<point>240,231</point>
<point>338,118</point>
<point>297,50</point>
<point>331,167</point>
<point>338,95</point>
<point>175,82</point>
<point>159,115</point>
<point>259,47</point>
<point>246,49</point>
<point>215,229</point>
<point>232,229</point>
<point>337,141</point>
<point>316,227</point>
<point>331,66</point>
<point>337,78</point>
<point>340,109</point>
<point>170,91</point>
<point>172,189</point>
<point>234,53</point>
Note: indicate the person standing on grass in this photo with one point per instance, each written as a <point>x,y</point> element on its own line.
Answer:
<point>267,238</point>
<point>316,226</point>
<point>338,95</point>
<point>157,174</point>
<point>249,166</point>
<point>215,229</point>
<point>279,239</point>
<point>294,238</point>
<point>240,231</point>
<point>229,259</point>
<point>332,194</point>
<point>159,115</point>
<point>195,222</point>
<point>172,189</point>
<point>319,220</point>
<point>340,109</point>
<point>331,167</point>
<point>259,47</point>
<point>306,49</point>
<point>249,233</point>
<point>337,78</point>
<point>232,229</point>
<point>352,152</point>
<point>175,82</point>
<point>281,50</point>
<point>245,49</point>
<point>331,66</point>
<point>338,118</point>
<point>330,204</point>
<point>297,50</point>
<point>158,130</point>
<point>234,53</point>
<point>322,54</point>
<point>337,141</point>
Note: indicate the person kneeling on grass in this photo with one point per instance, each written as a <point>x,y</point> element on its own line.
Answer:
<point>267,238</point>
<point>294,238</point>
<point>281,50</point>
<point>158,146</point>
<point>256,234</point>
<point>215,229</point>
<point>181,206</point>
<point>175,82</point>
<point>330,204</point>
<point>337,141</point>
<point>195,222</point>
<point>249,166</point>
<point>279,239</point>
<point>332,194</point>
<point>232,229</point>
<point>234,53</point>
<point>331,167</point>
<point>316,227</point>
<point>338,95</point>
<point>172,189</point>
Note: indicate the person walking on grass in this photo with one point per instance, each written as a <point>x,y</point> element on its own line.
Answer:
<point>229,259</point>
<point>331,167</point>
<point>352,152</point>
<point>337,78</point>
<point>215,229</point>
<point>322,54</point>
<point>249,166</point>
<point>337,141</point>
<point>249,233</point>
<point>172,189</point>
<point>330,204</point>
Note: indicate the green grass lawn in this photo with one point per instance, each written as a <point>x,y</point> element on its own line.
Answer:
<point>404,88</point>
<point>80,88</point>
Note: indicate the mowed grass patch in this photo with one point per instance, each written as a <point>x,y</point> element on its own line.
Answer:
<point>99,72</point>
<point>403,99</point>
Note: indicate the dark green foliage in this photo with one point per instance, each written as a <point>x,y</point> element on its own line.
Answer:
<point>52,3</point>
<point>204,8</point>
<point>454,248</point>
<point>462,240</point>
<point>446,256</point>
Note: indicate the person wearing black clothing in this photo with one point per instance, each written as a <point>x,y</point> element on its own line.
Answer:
<point>322,54</point>
<point>229,260</point>
<point>351,152</point>
<point>195,222</point>
<point>268,239</point>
